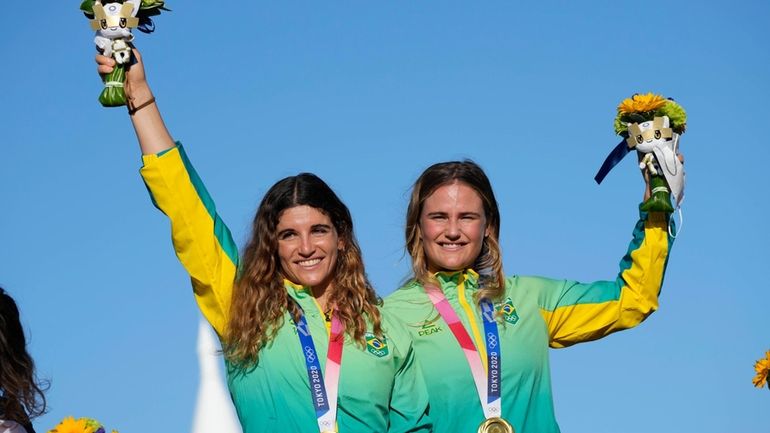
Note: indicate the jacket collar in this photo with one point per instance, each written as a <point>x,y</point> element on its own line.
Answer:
<point>449,281</point>
<point>297,291</point>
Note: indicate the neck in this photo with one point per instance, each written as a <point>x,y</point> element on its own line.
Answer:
<point>321,295</point>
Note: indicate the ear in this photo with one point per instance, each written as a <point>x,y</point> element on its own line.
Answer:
<point>135,4</point>
<point>340,244</point>
<point>487,231</point>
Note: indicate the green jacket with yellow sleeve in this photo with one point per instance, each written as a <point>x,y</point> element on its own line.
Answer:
<point>381,387</point>
<point>534,314</point>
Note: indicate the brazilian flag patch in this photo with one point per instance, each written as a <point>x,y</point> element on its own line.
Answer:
<point>508,311</point>
<point>376,346</point>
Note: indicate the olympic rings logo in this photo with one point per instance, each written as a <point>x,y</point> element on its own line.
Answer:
<point>492,340</point>
<point>309,354</point>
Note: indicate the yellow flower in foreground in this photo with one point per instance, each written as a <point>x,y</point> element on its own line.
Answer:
<point>70,425</point>
<point>641,103</point>
<point>762,367</point>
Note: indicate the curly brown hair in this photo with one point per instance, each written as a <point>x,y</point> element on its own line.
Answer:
<point>259,297</point>
<point>22,393</point>
<point>489,263</point>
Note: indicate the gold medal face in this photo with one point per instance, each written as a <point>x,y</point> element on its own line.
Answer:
<point>496,425</point>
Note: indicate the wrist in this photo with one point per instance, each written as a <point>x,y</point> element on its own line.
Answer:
<point>138,91</point>
<point>138,95</point>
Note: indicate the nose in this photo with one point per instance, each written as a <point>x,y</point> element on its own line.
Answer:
<point>306,247</point>
<point>452,231</point>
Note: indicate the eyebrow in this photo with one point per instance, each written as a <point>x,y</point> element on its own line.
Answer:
<point>313,227</point>
<point>284,231</point>
<point>441,213</point>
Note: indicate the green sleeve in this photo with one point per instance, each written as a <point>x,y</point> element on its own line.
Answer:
<point>575,312</point>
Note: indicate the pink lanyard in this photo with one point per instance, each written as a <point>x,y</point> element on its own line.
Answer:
<point>487,385</point>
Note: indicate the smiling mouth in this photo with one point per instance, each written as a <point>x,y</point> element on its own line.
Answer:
<point>451,245</point>
<point>309,263</point>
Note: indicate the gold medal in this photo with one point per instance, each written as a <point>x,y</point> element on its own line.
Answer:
<point>496,425</point>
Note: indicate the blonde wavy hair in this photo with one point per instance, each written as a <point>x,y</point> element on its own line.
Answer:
<point>489,263</point>
<point>259,298</point>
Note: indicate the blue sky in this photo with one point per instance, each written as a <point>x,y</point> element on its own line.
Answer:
<point>367,95</point>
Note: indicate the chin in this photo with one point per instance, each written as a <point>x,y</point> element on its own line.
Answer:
<point>313,280</point>
<point>450,267</point>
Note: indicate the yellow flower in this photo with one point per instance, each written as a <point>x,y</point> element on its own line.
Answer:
<point>762,367</point>
<point>70,425</point>
<point>641,103</point>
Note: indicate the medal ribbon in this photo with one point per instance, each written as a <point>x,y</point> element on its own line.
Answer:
<point>617,154</point>
<point>489,389</point>
<point>323,394</point>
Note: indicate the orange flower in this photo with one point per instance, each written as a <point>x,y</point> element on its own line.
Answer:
<point>641,103</point>
<point>762,367</point>
<point>70,425</point>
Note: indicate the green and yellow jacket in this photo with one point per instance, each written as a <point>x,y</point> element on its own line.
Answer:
<point>381,387</point>
<point>533,314</point>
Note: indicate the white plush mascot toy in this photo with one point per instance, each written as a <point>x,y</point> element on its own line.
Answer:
<point>113,23</point>
<point>659,144</point>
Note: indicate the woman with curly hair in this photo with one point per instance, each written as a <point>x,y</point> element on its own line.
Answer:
<point>21,395</point>
<point>296,299</point>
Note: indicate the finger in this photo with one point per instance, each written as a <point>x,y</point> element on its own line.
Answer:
<point>104,60</point>
<point>104,69</point>
<point>681,158</point>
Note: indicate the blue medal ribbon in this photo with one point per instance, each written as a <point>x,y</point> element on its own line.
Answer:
<point>617,154</point>
<point>314,375</point>
<point>494,358</point>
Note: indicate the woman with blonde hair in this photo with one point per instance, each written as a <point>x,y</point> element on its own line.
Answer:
<point>306,344</point>
<point>485,336</point>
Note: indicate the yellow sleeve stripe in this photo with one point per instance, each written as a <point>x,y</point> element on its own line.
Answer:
<point>599,309</point>
<point>200,243</point>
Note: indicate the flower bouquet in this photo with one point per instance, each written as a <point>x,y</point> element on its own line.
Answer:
<point>652,125</point>
<point>80,425</point>
<point>762,368</point>
<point>113,22</point>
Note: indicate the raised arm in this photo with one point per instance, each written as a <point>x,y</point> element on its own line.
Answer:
<point>143,110</point>
<point>201,240</point>
<point>576,312</point>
